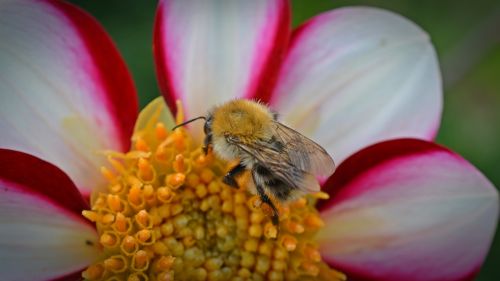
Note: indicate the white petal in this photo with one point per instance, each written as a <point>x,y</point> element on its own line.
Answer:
<point>42,232</point>
<point>39,241</point>
<point>65,93</point>
<point>408,210</point>
<point>208,52</point>
<point>355,76</point>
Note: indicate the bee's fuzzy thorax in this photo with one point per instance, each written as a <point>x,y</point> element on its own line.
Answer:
<point>242,118</point>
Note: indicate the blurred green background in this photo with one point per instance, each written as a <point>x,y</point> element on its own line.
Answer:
<point>466,35</point>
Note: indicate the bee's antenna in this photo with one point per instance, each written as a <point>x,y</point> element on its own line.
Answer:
<point>189,121</point>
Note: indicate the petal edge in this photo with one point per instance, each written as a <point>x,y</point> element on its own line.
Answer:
<point>358,75</point>
<point>408,210</point>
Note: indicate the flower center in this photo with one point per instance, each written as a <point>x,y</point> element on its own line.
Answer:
<point>166,215</point>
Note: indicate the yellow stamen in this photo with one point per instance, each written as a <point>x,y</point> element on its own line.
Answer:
<point>143,220</point>
<point>179,165</point>
<point>163,263</point>
<point>117,165</point>
<point>321,195</point>
<point>255,230</point>
<point>140,260</point>
<point>166,215</point>
<point>165,194</point>
<point>266,248</point>
<point>288,242</point>
<point>109,239</point>
<point>91,215</point>
<point>138,276</point>
<point>116,264</point>
<point>179,118</point>
<point>110,176</point>
<point>270,230</point>
<point>93,272</point>
<point>311,254</point>
<point>114,203</point>
<point>161,131</point>
<point>175,181</point>
<point>129,245</point>
<point>313,221</point>
<point>294,227</point>
<point>107,219</point>
<point>144,236</point>
<point>115,189</point>
<point>145,170</point>
<point>310,268</point>
<point>122,223</point>
<point>141,145</point>
<point>135,198</point>
<point>207,175</point>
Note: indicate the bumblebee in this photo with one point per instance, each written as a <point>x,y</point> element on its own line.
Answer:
<point>283,163</point>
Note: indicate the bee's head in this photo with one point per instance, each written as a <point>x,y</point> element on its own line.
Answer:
<point>207,128</point>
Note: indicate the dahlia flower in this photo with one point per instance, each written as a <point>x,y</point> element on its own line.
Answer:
<point>91,189</point>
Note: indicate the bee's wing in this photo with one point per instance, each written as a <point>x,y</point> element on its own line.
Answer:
<point>304,153</point>
<point>290,157</point>
<point>278,163</point>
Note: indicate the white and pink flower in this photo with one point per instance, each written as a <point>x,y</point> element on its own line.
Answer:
<point>362,82</point>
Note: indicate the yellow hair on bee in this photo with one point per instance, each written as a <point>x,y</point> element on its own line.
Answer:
<point>242,118</point>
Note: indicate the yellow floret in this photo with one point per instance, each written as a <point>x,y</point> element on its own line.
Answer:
<point>166,215</point>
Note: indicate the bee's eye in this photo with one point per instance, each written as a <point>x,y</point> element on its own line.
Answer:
<point>206,127</point>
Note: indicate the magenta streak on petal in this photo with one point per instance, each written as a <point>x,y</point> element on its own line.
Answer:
<point>369,177</point>
<point>162,71</point>
<point>295,37</point>
<point>42,179</point>
<point>359,276</point>
<point>358,164</point>
<point>263,82</point>
<point>74,276</point>
<point>119,91</point>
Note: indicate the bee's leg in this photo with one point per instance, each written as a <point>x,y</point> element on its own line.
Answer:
<point>229,177</point>
<point>265,199</point>
<point>206,143</point>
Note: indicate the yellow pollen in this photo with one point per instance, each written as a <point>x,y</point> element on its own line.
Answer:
<point>166,215</point>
